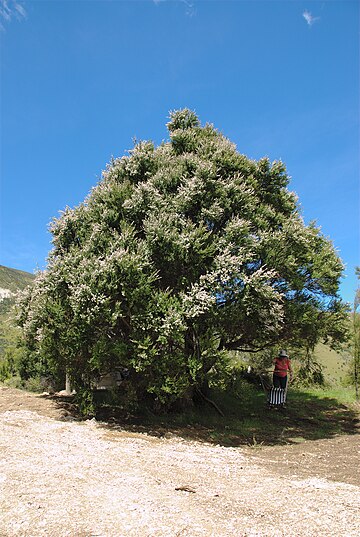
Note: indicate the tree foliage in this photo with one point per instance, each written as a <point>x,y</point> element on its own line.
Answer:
<point>181,252</point>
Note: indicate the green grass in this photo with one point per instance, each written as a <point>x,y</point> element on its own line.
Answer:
<point>343,395</point>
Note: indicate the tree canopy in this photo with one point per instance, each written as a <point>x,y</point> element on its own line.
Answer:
<point>181,253</point>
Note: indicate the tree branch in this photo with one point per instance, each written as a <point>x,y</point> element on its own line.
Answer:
<point>212,403</point>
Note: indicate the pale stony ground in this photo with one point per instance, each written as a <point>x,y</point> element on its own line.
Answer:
<point>83,479</point>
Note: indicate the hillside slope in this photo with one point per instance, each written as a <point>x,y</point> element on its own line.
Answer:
<point>13,279</point>
<point>335,364</point>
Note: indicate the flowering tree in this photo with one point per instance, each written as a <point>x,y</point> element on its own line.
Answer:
<point>181,253</point>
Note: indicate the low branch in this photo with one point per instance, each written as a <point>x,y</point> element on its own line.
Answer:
<point>212,403</point>
<point>237,346</point>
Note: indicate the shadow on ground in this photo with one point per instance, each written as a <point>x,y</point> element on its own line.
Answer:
<point>307,417</point>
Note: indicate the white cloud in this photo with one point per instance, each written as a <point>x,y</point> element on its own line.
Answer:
<point>309,18</point>
<point>5,11</point>
<point>20,9</point>
<point>189,6</point>
<point>10,9</point>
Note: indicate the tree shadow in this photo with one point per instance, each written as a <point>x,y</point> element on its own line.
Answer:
<point>246,422</point>
<point>66,405</point>
<point>313,417</point>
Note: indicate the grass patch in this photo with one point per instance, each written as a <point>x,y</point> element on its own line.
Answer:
<point>344,396</point>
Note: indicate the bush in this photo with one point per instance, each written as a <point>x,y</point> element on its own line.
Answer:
<point>33,384</point>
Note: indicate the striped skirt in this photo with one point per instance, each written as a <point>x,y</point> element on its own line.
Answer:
<point>276,396</point>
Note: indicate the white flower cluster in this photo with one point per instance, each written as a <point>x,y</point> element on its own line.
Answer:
<point>198,301</point>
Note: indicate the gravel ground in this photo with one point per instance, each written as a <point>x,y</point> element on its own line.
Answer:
<point>82,479</point>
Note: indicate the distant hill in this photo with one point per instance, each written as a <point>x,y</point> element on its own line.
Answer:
<point>335,364</point>
<point>12,281</point>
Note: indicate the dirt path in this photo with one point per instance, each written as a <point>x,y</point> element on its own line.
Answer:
<point>60,477</point>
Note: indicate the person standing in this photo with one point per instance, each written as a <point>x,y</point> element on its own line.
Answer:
<point>282,368</point>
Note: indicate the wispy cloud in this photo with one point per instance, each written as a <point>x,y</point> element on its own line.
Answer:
<point>10,9</point>
<point>190,9</point>
<point>309,17</point>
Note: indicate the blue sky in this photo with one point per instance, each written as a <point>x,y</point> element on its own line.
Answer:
<point>81,79</point>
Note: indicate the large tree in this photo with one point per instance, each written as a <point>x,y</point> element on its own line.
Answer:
<point>181,253</point>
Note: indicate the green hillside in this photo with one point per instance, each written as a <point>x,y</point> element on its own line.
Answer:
<point>335,364</point>
<point>14,279</point>
<point>11,281</point>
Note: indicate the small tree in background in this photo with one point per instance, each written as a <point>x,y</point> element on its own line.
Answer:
<point>180,254</point>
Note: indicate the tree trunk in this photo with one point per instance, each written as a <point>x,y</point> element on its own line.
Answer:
<point>356,377</point>
<point>67,384</point>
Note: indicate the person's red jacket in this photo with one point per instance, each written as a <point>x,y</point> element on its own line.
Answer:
<point>282,366</point>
